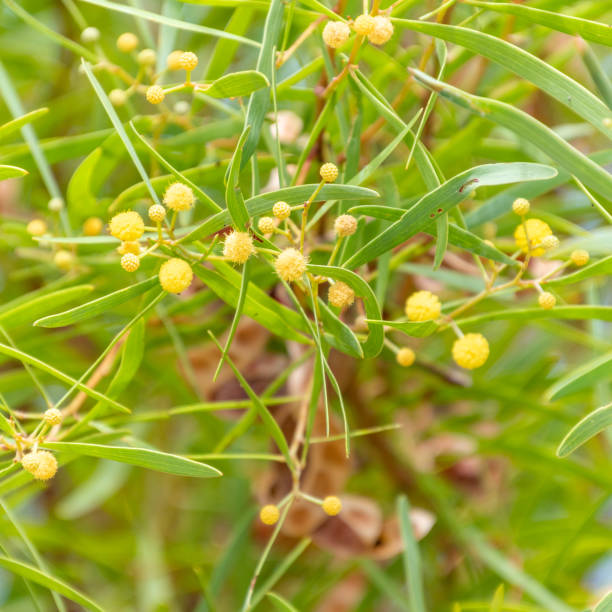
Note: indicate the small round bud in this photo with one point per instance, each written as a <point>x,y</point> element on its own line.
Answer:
<point>405,357</point>
<point>580,257</point>
<point>93,226</point>
<point>336,33</point>
<point>332,505</point>
<point>175,275</point>
<point>41,464</point>
<point>329,172</point>
<point>55,204</point>
<point>188,61</point>
<point>382,30</point>
<point>179,197</point>
<point>529,235</point>
<point>238,247</point>
<point>128,247</point>
<point>471,351</point>
<point>173,60</point>
<point>345,225</point>
<point>547,300</point>
<point>147,57</point>
<point>157,213</point>
<point>364,24</point>
<point>118,97</point>
<point>126,226</point>
<point>266,225</point>
<point>182,107</point>
<point>520,206</point>
<point>549,242</point>
<point>36,227</point>
<point>64,260</point>
<point>127,42</point>
<point>89,35</point>
<point>423,306</point>
<point>269,514</point>
<point>281,210</point>
<point>130,262</point>
<point>340,295</point>
<point>290,265</point>
<point>53,416</point>
<point>155,94</point>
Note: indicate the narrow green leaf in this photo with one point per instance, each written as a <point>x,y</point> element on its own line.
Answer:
<point>280,603</point>
<point>601,313</point>
<point>412,558</point>
<point>603,266</point>
<point>8,172</point>
<point>15,124</point>
<point>442,227</point>
<point>340,335</point>
<point>410,328</point>
<point>78,193</point>
<point>584,430</point>
<point>233,194</point>
<point>605,605</point>
<point>236,84</point>
<point>583,377</point>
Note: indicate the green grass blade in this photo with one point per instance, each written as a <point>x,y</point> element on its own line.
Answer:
<point>233,194</point>
<point>16,124</point>
<point>411,557</point>
<point>586,376</point>
<point>600,313</point>
<point>280,603</point>
<point>592,424</point>
<point>8,172</point>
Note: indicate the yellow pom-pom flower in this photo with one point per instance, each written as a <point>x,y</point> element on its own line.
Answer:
<point>155,94</point>
<point>173,60</point>
<point>580,257</point>
<point>382,30</point>
<point>179,197</point>
<point>345,225</point>
<point>130,262</point>
<point>157,213</point>
<point>53,416</point>
<point>281,210</point>
<point>364,24</point>
<point>238,247</point>
<point>266,225</point>
<point>336,33</point>
<point>340,295</point>
<point>93,226</point>
<point>64,260</point>
<point>41,464</point>
<point>290,265</point>
<point>471,351</point>
<point>175,275</point>
<point>529,235</point>
<point>188,61</point>
<point>405,357</point>
<point>117,97</point>
<point>329,172</point>
<point>423,306</point>
<point>549,242</point>
<point>547,300</point>
<point>36,227</point>
<point>147,57</point>
<point>332,505</point>
<point>126,226</point>
<point>520,206</point>
<point>127,42</point>
<point>128,247</point>
<point>269,514</point>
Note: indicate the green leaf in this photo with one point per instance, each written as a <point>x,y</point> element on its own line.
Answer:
<point>584,430</point>
<point>605,605</point>
<point>46,580</point>
<point>603,266</point>
<point>236,84</point>
<point>7,172</point>
<point>411,328</point>
<point>411,557</point>
<point>78,192</point>
<point>601,313</point>
<point>583,377</point>
<point>15,124</point>
<point>97,306</point>
<point>233,194</point>
<point>444,198</point>
<point>340,335</point>
<point>140,457</point>
<point>280,603</point>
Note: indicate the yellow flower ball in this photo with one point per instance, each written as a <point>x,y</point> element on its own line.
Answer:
<point>520,206</point>
<point>130,262</point>
<point>93,226</point>
<point>345,225</point>
<point>64,260</point>
<point>537,230</point>
<point>329,172</point>
<point>423,306</point>
<point>281,210</point>
<point>336,33</point>
<point>41,464</point>
<point>405,357</point>
<point>340,295</point>
<point>549,242</point>
<point>188,61</point>
<point>364,24</point>
<point>238,247</point>
<point>266,225</point>
<point>147,57</point>
<point>547,300</point>
<point>179,197</point>
<point>382,30</point>
<point>290,265</point>
<point>175,275</point>
<point>55,204</point>
<point>128,247</point>
<point>332,505</point>
<point>127,42</point>
<point>126,226</point>
<point>53,416</point>
<point>155,94</point>
<point>471,351</point>
<point>580,257</point>
<point>157,213</point>
<point>36,227</point>
<point>269,514</point>
<point>117,97</point>
<point>173,60</point>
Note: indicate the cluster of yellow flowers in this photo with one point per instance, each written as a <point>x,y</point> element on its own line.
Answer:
<point>377,28</point>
